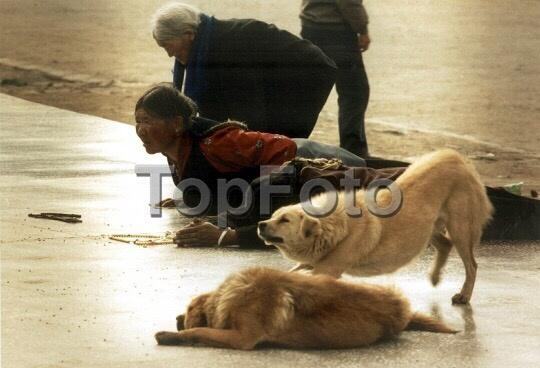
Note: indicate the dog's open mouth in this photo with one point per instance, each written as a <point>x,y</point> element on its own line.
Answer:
<point>274,239</point>
<point>270,238</point>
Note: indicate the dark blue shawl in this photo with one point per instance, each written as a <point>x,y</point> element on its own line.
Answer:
<point>195,78</point>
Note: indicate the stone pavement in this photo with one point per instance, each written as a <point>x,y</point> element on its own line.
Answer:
<point>72,298</point>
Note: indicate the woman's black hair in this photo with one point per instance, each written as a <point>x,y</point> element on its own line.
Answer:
<point>166,102</point>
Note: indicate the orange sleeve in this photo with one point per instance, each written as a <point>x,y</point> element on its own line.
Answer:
<point>232,149</point>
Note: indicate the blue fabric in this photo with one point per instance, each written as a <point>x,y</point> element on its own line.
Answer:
<point>178,75</point>
<point>307,148</point>
<point>195,69</point>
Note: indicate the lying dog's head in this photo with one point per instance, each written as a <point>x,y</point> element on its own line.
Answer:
<point>196,315</point>
<point>295,233</point>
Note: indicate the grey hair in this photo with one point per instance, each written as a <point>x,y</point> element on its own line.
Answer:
<point>174,19</point>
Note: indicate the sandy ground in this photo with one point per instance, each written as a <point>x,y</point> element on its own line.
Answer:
<point>463,75</point>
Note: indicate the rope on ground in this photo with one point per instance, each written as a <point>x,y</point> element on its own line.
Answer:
<point>144,240</point>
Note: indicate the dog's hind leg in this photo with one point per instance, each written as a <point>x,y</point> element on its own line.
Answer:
<point>466,254</point>
<point>464,242</point>
<point>443,245</point>
<point>465,230</point>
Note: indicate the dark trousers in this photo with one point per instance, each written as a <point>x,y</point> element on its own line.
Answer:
<point>351,83</point>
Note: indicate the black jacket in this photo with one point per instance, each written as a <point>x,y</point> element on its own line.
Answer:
<point>266,77</point>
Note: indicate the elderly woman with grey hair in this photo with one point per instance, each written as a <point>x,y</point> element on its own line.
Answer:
<point>245,70</point>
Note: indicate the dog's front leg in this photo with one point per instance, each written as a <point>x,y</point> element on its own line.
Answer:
<point>300,267</point>
<point>330,270</point>
<point>233,339</point>
<point>338,261</point>
<point>332,265</point>
<point>169,338</point>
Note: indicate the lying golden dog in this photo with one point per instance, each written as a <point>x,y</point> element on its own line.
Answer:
<point>295,310</point>
<point>439,192</point>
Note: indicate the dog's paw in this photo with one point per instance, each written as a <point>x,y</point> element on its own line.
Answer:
<point>180,322</point>
<point>435,279</point>
<point>168,338</point>
<point>460,299</point>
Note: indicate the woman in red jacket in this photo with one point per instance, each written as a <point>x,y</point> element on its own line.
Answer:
<point>207,150</point>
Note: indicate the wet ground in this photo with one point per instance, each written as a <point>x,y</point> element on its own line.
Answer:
<point>458,74</point>
<point>73,298</point>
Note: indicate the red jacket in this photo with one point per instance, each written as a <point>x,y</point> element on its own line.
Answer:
<point>231,149</point>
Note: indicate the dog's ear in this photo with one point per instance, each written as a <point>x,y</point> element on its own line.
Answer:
<point>310,226</point>
<point>196,315</point>
<point>201,299</point>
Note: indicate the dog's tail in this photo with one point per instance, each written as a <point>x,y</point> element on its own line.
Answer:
<point>421,322</point>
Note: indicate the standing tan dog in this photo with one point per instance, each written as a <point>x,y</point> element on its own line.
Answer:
<point>295,310</point>
<point>441,191</point>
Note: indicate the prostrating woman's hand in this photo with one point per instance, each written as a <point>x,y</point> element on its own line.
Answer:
<point>198,234</point>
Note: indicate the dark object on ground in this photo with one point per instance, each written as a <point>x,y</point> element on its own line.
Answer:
<point>13,82</point>
<point>64,217</point>
<point>515,218</point>
<point>534,193</point>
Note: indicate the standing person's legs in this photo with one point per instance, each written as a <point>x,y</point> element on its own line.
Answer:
<point>351,84</point>
<point>310,149</point>
<point>353,94</point>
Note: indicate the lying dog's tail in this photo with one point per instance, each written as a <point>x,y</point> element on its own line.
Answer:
<point>421,322</point>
